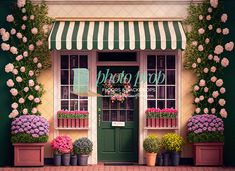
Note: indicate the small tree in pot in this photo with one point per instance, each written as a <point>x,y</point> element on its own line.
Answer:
<point>62,145</point>
<point>83,148</point>
<point>151,146</point>
<point>173,145</point>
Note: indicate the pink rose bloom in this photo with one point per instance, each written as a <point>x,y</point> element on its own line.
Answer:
<point>222,90</point>
<point>2,31</point>
<point>9,67</point>
<point>223,113</point>
<point>213,79</point>
<point>37,87</point>
<point>198,110</point>
<point>5,46</point>
<point>218,30</point>
<point>209,10</point>
<point>26,89</point>
<point>213,69</point>
<point>216,59</point>
<point>205,70</point>
<point>202,83</point>
<point>218,49</point>
<point>10,18</point>
<point>25,54</point>
<point>19,35</point>
<point>224,18</point>
<point>200,48</point>
<point>210,100</point>
<point>201,97</point>
<point>213,110</point>
<point>19,79</point>
<point>5,36</point>
<point>20,3</point>
<point>24,39</point>
<point>15,71</point>
<point>201,31</point>
<point>210,27</point>
<point>34,110</point>
<point>225,31</point>
<point>37,100</point>
<point>206,110</point>
<point>31,73</point>
<point>207,40</point>
<point>34,30</point>
<point>215,94</point>
<point>214,3</point>
<point>222,102</point>
<point>196,88</point>
<point>13,50</point>
<point>31,83</point>
<point>31,47</point>
<point>219,82</point>
<point>35,60</point>
<point>39,65</point>
<point>13,31</point>
<point>14,105</point>
<point>229,46</point>
<point>25,111</point>
<point>21,100</point>
<point>210,56</point>
<point>197,100</point>
<point>19,57</point>
<point>32,17</point>
<point>206,89</point>
<point>14,92</point>
<point>194,43</point>
<point>208,17</point>
<point>10,83</point>
<point>45,28</point>
<point>14,113</point>
<point>22,69</point>
<point>194,65</point>
<point>224,62</point>
<point>39,43</point>
<point>24,18</point>
<point>199,60</point>
<point>30,97</point>
<point>23,27</point>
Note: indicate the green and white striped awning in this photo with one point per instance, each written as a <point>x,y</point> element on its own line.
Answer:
<point>120,35</point>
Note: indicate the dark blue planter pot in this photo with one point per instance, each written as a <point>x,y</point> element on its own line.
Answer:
<point>175,158</point>
<point>166,159</point>
<point>159,160</point>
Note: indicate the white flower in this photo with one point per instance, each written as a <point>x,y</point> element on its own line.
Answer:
<point>19,79</point>
<point>223,113</point>
<point>224,18</point>
<point>31,73</point>
<point>5,36</point>
<point>205,110</point>
<point>225,62</point>
<point>23,27</point>
<point>194,65</point>
<point>229,46</point>
<point>194,43</point>
<point>21,3</point>
<point>14,92</point>
<point>214,3</point>
<point>9,67</point>
<point>222,102</point>
<point>10,18</point>
<point>25,111</point>
<point>13,31</point>
<point>218,49</point>
<point>197,100</point>
<point>31,83</point>
<point>208,17</point>
<point>37,87</point>
<point>14,105</point>
<point>45,28</point>
<point>23,10</point>
<point>21,100</point>
<point>198,110</point>
<point>201,31</point>
<point>39,65</point>
<point>26,89</point>
<point>22,69</point>
<point>205,70</point>
<point>210,27</point>
<point>196,88</point>
<point>19,35</point>
<point>32,17</point>
<point>14,50</point>
<point>200,48</point>
<point>209,10</point>
<point>202,83</point>
<point>34,110</point>
<point>34,30</point>
<point>36,100</point>
<point>219,82</point>
<point>199,60</point>
<point>200,17</point>
<point>14,113</point>
<point>35,60</point>
<point>15,71</point>
<point>10,83</point>
<point>24,39</point>
<point>2,31</point>
<point>5,46</point>
<point>225,31</point>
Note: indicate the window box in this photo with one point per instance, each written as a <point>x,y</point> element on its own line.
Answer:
<point>72,119</point>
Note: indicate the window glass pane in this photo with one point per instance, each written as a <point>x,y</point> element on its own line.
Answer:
<point>151,92</point>
<point>64,63</point>
<point>114,105</point>
<point>73,61</point>
<point>122,115</point>
<point>171,92</point>
<point>105,115</point>
<point>151,104</point>
<point>65,105</point>
<point>74,105</point>
<point>130,116</point>
<point>83,61</point>
<point>113,115</point>
<point>130,103</point>
<point>161,104</point>
<point>123,105</point>
<point>117,56</point>
<point>152,77</point>
<point>84,105</point>
<point>161,92</point>
<point>64,92</point>
<point>171,103</point>
<point>161,77</point>
<point>171,77</point>
<point>64,77</point>
<point>171,62</point>
<point>161,62</point>
<point>71,77</point>
<point>106,101</point>
<point>151,62</point>
<point>73,95</point>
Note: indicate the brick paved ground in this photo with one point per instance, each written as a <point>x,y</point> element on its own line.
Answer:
<point>116,168</point>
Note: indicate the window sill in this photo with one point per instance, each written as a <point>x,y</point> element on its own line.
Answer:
<point>161,128</point>
<point>72,128</point>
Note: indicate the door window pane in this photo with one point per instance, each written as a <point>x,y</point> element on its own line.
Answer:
<point>64,63</point>
<point>73,61</point>
<point>161,92</point>
<point>151,92</point>
<point>161,104</point>
<point>161,62</point>
<point>170,92</point>
<point>171,103</point>
<point>114,115</point>
<point>151,104</point>
<point>171,77</point>
<point>64,105</point>
<point>171,62</point>
<point>130,116</point>
<point>105,115</point>
<point>106,101</point>
<point>122,116</point>
<point>64,77</point>
<point>151,62</point>
<point>64,92</point>
<point>73,105</point>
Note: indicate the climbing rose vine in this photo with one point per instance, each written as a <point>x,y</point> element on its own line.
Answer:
<point>26,42</point>
<point>207,55</point>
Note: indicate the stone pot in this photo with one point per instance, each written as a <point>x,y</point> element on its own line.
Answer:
<point>74,160</point>
<point>66,159</point>
<point>166,159</point>
<point>175,158</point>
<point>83,159</point>
<point>57,159</point>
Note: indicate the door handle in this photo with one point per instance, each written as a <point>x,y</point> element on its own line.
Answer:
<point>99,117</point>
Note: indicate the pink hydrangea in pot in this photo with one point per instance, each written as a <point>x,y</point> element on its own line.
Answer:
<point>62,145</point>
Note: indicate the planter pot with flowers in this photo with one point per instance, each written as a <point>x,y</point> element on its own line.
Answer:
<point>62,146</point>
<point>151,146</point>
<point>29,135</point>
<point>206,133</point>
<point>173,144</point>
<point>83,148</point>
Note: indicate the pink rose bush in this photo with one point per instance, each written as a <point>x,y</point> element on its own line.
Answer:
<point>62,144</point>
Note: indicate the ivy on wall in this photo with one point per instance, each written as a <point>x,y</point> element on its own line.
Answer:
<point>26,41</point>
<point>207,55</point>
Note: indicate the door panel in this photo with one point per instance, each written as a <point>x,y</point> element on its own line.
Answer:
<point>118,143</point>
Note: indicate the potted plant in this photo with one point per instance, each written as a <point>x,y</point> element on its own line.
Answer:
<point>62,145</point>
<point>83,148</point>
<point>173,145</point>
<point>29,135</point>
<point>206,133</point>
<point>151,146</point>
<point>74,158</point>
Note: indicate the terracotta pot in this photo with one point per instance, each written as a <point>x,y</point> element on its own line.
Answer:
<point>29,154</point>
<point>151,159</point>
<point>210,154</point>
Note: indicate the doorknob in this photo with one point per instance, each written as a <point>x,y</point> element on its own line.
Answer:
<point>99,119</point>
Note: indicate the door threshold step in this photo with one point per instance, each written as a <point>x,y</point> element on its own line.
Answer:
<point>120,163</point>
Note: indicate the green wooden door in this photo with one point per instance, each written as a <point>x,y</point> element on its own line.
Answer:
<point>118,143</point>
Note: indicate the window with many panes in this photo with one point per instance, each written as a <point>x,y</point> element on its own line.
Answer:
<point>70,100</point>
<point>162,93</point>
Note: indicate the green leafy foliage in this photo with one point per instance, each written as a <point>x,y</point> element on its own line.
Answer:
<point>205,137</point>
<point>172,142</point>
<point>83,146</point>
<point>27,138</point>
<point>152,144</point>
